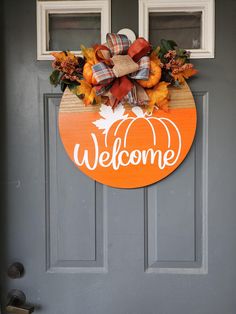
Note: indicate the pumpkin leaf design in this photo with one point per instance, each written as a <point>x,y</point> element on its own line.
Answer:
<point>109,117</point>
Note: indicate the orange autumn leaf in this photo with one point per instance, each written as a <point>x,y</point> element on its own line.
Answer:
<point>59,56</point>
<point>89,93</point>
<point>158,97</point>
<point>63,55</point>
<point>163,104</point>
<point>181,76</point>
<point>89,54</point>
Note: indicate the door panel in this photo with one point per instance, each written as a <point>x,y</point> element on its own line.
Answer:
<point>87,248</point>
<point>176,210</point>
<point>75,238</point>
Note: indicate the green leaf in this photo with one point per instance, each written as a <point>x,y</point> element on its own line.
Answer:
<point>181,52</point>
<point>63,86</point>
<point>165,45</point>
<point>72,86</point>
<point>66,81</point>
<point>161,53</point>
<point>172,44</point>
<point>55,77</point>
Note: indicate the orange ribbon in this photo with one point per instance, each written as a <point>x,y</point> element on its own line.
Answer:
<point>139,48</point>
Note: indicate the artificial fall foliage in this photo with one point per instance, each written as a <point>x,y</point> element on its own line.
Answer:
<point>158,97</point>
<point>64,55</point>
<point>183,74</point>
<point>168,65</point>
<point>89,54</point>
<point>175,63</point>
<point>87,92</point>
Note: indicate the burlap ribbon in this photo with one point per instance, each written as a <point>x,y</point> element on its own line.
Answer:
<point>120,62</point>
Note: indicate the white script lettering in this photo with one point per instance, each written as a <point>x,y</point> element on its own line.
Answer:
<point>119,157</point>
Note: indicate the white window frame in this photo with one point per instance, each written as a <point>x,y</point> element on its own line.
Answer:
<point>44,8</point>
<point>207,7</point>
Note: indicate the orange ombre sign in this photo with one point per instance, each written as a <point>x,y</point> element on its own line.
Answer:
<point>127,148</point>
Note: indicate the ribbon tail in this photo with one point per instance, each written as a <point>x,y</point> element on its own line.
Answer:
<point>114,102</point>
<point>121,87</point>
<point>142,97</point>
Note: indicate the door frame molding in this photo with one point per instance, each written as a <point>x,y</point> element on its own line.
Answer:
<point>207,7</point>
<point>44,8</point>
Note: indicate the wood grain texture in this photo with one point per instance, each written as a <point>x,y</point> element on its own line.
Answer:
<point>179,98</point>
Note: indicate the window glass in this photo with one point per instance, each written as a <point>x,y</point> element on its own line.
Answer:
<point>69,31</point>
<point>182,27</point>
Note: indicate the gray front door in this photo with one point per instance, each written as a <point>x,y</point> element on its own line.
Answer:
<point>90,249</point>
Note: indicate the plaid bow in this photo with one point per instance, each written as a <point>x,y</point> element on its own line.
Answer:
<point>120,64</point>
<point>119,45</point>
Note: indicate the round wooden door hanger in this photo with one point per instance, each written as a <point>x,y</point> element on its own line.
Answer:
<point>126,147</point>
